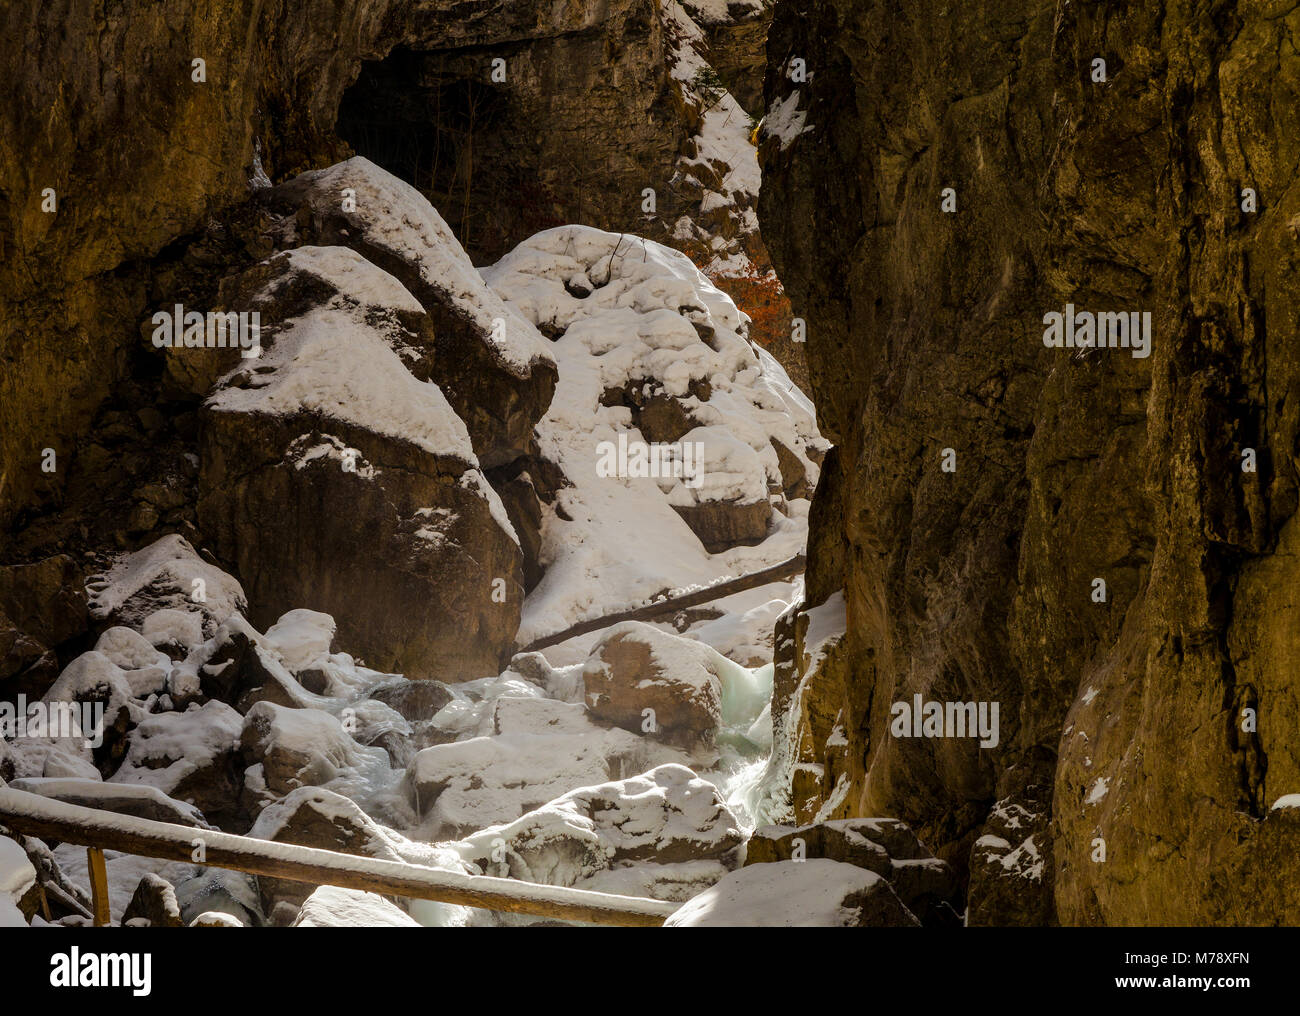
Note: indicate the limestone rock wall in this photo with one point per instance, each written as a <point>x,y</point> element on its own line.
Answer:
<point>1121,721</point>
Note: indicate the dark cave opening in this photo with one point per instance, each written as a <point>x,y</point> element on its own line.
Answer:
<point>437,122</point>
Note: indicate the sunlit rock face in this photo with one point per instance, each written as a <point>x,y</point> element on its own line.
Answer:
<point>1144,736</point>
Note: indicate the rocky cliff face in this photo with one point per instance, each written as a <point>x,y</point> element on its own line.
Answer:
<point>984,482</point>
<point>511,117</point>
<point>131,183</point>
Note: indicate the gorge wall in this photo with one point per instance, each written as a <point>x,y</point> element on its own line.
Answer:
<point>1145,738</point>
<point>127,181</point>
<point>935,181</point>
<point>141,150</point>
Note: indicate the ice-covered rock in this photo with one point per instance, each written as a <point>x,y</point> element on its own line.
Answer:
<point>291,748</point>
<point>671,826</point>
<point>649,681</point>
<point>670,688</point>
<point>468,785</point>
<point>796,894</point>
<point>652,358</point>
<point>215,891</point>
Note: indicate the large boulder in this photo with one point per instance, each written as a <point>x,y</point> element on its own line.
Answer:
<point>191,756</point>
<point>926,885</point>
<point>313,817</point>
<point>492,365</point>
<point>665,817</point>
<point>331,415</point>
<point>648,681</point>
<point>289,748</point>
<point>468,785</point>
<point>796,894</point>
<point>166,575</point>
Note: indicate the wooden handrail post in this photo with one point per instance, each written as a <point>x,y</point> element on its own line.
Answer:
<point>97,868</point>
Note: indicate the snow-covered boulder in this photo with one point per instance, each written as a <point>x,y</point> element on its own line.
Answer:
<point>291,748</point>
<point>796,894</point>
<point>517,715</point>
<point>191,756</point>
<point>138,800</point>
<point>671,826</point>
<point>239,666</point>
<point>53,757</point>
<point>663,427</point>
<point>494,367</point>
<point>154,903</point>
<point>93,681</point>
<point>331,906</point>
<point>17,876</point>
<point>174,632</point>
<point>314,817</point>
<point>652,682</point>
<point>166,575</point>
<point>330,415</point>
<point>129,650</point>
<point>468,785</point>
<point>302,638</point>
<point>924,883</point>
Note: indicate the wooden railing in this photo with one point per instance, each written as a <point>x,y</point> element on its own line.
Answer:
<point>97,830</point>
<point>676,601</point>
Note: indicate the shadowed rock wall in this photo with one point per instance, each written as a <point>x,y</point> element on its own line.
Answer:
<point>1121,722</point>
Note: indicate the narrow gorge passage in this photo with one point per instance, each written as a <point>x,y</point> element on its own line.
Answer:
<point>711,463</point>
